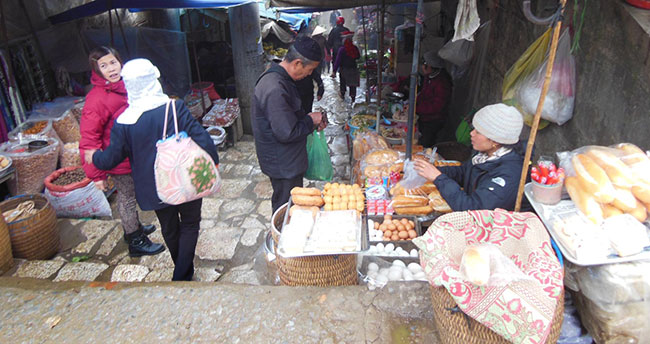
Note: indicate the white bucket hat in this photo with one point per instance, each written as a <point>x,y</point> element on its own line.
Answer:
<point>500,123</point>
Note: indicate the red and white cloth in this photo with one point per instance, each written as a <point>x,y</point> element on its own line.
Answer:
<point>522,311</point>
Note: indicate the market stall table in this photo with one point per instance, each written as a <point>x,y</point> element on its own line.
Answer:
<point>225,113</point>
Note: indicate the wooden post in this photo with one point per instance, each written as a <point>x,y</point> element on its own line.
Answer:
<point>419,19</point>
<point>540,106</point>
<point>365,43</point>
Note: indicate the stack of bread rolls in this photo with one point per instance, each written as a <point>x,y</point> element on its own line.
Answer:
<point>611,181</point>
<point>343,197</point>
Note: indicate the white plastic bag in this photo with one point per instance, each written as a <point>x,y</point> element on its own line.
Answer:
<point>485,264</point>
<point>411,178</point>
<point>87,201</point>
<point>560,99</point>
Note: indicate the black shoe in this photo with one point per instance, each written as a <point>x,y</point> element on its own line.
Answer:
<point>148,229</point>
<point>140,245</point>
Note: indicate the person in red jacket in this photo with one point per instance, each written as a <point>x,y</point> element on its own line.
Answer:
<point>433,99</point>
<point>104,103</point>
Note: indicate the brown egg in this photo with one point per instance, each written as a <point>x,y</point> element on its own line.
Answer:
<point>403,235</point>
<point>387,217</point>
<point>394,237</point>
<point>404,221</point>
<point>401,228</point>
<point>385,239</point>
<point>412,234</point>
<point>412,224</point>
<point>408,226</point>
<point>388,233</point>
<point>396,222</point>
<point>382,228</point>
<point>386,222</point>
<point>392,227</point>
<point>376,225</point>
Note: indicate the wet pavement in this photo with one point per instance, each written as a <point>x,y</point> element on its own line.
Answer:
<point>83,294</point>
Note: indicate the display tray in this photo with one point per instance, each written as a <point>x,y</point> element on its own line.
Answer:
<point>363,243</point>
<point>546,212</point>
<point>402,243</point>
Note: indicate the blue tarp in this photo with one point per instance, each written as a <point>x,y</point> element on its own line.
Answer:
<point>296,20</point>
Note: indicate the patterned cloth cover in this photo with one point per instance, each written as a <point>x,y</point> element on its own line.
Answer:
<point>183,170</point>
<point>522,311</point>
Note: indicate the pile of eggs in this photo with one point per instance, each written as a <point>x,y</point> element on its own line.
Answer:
<point>392,229</point>
<point>398,271</point>
<point>391,250</point>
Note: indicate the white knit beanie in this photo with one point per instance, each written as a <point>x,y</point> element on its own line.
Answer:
<point>499,122</point>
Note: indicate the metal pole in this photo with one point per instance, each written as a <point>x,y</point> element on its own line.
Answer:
<point>540,107</point>
<point>365,43</point>
<point>126,45</point>
<point>196,59</point>
<point>419,18</point>
<point>380,62</point>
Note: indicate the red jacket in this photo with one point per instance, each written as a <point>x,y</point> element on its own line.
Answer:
<point>434,97</point>
<point>104,103</point>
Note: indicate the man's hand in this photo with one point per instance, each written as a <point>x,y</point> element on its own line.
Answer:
<point>88,156</point>
<point>333,75</point>
<point>426,170</point>
<point>316,117</point>
<point>323,123</point>
<point>101,184</point>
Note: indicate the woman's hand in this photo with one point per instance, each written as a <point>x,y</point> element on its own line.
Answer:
<point>426,170</point>
<point>101,185</point>
<point>88,156</point>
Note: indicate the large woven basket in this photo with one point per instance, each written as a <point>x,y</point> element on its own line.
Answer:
<point>34,237</point>
<point>454,327</point>
<point>322,271</point>
<point>6,258</point>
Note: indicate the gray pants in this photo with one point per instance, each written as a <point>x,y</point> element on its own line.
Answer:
<point>126,203</point>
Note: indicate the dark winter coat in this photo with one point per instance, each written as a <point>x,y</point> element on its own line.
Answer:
<point>104,103</point>
<point>334,39</point>
<point>434,98</point>
<point>345,61</point>
<point>280,125</point>
<point>306,89</point>
<point>489,185</point>
<point>138,143</point>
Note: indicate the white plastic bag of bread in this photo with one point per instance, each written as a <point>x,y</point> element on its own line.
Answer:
<point>486,265</point>
<point>365,142</point>
<point>380,163</point>
<point>608,181</point>
<point>626,235</point>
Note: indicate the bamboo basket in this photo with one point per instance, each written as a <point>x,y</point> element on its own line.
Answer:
<point>458,328</point>
<point>35,237</point>
<point>6,258</point>
<point>322,271</point>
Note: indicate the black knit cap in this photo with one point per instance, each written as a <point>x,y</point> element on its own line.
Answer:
<point>308,48</point>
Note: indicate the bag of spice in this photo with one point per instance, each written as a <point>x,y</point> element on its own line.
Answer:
<point>67,127</point>
<point>32,162</point>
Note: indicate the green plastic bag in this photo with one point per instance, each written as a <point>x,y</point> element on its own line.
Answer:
<point>320,165</point>
<point>462,132</point>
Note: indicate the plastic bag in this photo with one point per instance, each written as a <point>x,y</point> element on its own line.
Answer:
<point>67,127</point>
<point>365,142</point>
<point>463,132</point>
<point>411,178</point>
<point>31,166</point>
<point>486,265</point>
<point>458,52</point>
<point>560,99</point>
<point>320,164</point>
<point>87,201</point>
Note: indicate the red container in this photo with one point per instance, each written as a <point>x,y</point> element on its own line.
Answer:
<point>207,87</point>
<point>645,4</point>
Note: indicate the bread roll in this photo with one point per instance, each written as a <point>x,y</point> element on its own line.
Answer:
<point>409,201</point>
<point>624,200</point>
<point>476,264</point>
<point>305,191</point>
<point>310,201</point>
<point>422,210</point>
<point>640,213</point>
<point>610,210</point>
<point>583,200</point>
<point>593,178</point>
<point>618,172</point>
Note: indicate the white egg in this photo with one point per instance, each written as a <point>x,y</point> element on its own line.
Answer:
<point>414,267</point>
<point>373,267</point>
<point>399,249</point>
<point>394,275</point>
<point>399,263</point>
<point>408,278</point>
<point>407,275</point>
<point>403,254</point>
<point>381,280</point>
<point>389,247</point>
<point>371,224</point>
<point>420,276</point>
<point>372,249</point>
<point>372,274</point>
<point>414,253</point>
<point>380,247</point>
<point>383,271</point>
<point>394,268</point>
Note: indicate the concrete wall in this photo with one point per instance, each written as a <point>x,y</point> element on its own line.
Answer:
<point>613,76</point>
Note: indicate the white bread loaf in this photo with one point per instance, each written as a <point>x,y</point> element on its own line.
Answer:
<point>618,172</point>
<point>583,200</point>
<point>624,200</point>
<point>593,178</point>
<point>476,263</point>
<point>642,191</point>
<point>610,211</point>
<point>636,159</point>
<point>640,213</point>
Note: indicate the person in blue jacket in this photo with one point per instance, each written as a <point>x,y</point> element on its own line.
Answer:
<point>491,178</point>
<point>134,136</point>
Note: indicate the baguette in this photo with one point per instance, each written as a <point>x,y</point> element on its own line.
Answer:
<point>310,201</point>
<point>583,200</point>
<point>642,191</point>
<point>640,213</point>
<point>422,210</point>
<point>423,190</point>
<point>624,200</point>
<point>305,191</point>
<point>618,172</point>
<point>438,203</point>
<point>610,210</point>
<point>636,159</point>
<point>409,201</point>
<point>593,179</point>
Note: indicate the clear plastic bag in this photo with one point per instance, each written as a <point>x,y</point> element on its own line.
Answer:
<point>411,178</point>
<point>31,166</point>
<point>486,265</point>
<point>560,99</point>
<point>67,127</point>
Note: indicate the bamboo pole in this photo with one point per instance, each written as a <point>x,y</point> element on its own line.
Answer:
<point>540,106</point>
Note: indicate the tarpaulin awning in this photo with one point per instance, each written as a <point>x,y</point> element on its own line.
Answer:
<point>306,6</point>
<point>100,6</point>
<point>295,20</point>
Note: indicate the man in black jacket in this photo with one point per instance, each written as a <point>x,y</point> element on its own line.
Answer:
<point>280,124</point>
<point>334,39</point>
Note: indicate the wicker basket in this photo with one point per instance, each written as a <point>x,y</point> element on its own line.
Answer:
<point>35,237</point>
<point>457,328</point>
<point>322,271</point>
<point>6,258</point>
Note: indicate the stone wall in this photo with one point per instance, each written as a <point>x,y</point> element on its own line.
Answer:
<point>613,84</point>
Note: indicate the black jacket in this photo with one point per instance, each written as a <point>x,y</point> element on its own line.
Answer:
<point>489,185</point>
<point>334,39</point>
<point>306,89</point>
<point>280,125</point>
<point>138,143</point>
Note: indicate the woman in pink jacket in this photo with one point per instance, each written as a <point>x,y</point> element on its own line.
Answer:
<point>104,103</point>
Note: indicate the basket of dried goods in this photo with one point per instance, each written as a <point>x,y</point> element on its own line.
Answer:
<point>6,257</point>
<point>67,127</point>
<point>32,226</point>
<point>32,163</point>
<point>72,194</point>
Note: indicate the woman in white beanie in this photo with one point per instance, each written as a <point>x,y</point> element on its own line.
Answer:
<point>490,179</point>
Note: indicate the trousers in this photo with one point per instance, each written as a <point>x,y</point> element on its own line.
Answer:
<point>282,190</point>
